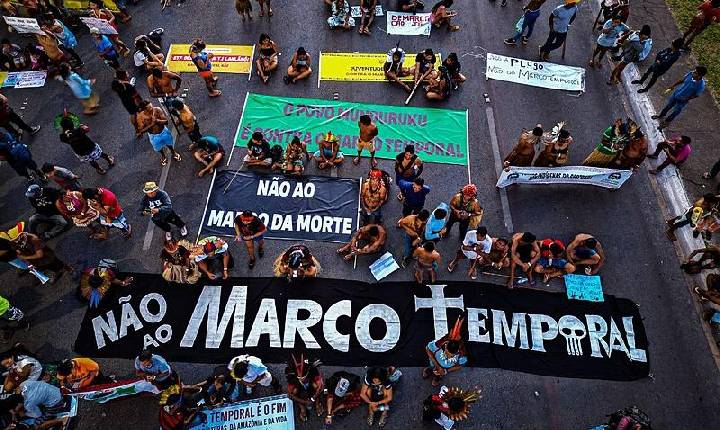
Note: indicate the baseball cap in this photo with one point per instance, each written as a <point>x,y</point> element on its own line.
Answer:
<point>33,190</point>
<point>149,187</point>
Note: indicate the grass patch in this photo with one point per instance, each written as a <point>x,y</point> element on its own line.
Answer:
<point>705,47</point>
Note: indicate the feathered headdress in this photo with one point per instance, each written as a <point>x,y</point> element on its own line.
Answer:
<point>455,332</point>
<point>459,402</point>
<point>301,366</point>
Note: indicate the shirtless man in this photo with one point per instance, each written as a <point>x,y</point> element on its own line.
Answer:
<point>498,257</point>
<point>373,197</point>
<point>394,69</point>
<point>524,252</point>
<point>413,227</point>
<point>552,262</point>
<point>368,239</point>
<point>329,154</point>
<point>187,119</point>
<point>152,120</point>
<point>368,131</point>
<point>634,152</point>
<point>555,151</point>
<point>408,166</point>
<point>524,151</point>
<point>427,259</point>
<point>163,83</point>
<point>585,250</point>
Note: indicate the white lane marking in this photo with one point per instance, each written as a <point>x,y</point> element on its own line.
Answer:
<point>507,216</point>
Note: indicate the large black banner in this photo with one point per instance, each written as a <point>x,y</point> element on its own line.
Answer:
<point>307,208</point>
<point>351,323</point>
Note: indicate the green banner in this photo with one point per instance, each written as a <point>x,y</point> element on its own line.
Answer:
<point>439,135</point>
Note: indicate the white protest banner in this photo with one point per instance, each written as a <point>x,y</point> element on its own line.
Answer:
<point>408,24</point>
<point>535,73</point>
<point>267,413</point>
<point>24,25</point>
<point>27,79</point>
<point>102,24</point>
<point>355,11</point>
<point>599,177</point>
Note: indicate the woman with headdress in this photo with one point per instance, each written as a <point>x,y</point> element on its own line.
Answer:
<point>449,406</point>
<point>177,265</point>
<point>72,205</point>
<point>613,140</point>
<point>465,210</point>
<point>555,151</point>
<point>446,354</point>
<point>95,282</point>
<point>305,384</point>
<point>25,365</point>
<point>296,262</point>
<point>634,152</point>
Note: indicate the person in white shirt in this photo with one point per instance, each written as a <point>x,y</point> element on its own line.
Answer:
<point>477,244</point>
<point>250,371</point>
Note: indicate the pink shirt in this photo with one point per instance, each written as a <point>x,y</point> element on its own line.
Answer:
<point>682,154</point>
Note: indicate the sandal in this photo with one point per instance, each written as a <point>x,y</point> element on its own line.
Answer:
<point>163,161</point>
<point>356,161</point>
<point>383,419</point>
<point>706,175</point>
<point>370,419</point>
<point>400,196</point>
<point>454,28</point>
<point>111,161</point>
<point>451,267</point>
<point>425,373</point>
<point>270,12</point>
<point>251,263</point>
<point>177,157</point>
<point>435,381</point>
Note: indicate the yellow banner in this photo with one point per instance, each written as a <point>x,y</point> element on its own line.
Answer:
<point>226,58</point>
<point>83,4</point>
<point>357,66</point>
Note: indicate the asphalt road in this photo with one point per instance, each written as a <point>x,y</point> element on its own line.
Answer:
<point>641,266</point>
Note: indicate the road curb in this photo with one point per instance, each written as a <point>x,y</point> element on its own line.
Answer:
<point>668,184</point>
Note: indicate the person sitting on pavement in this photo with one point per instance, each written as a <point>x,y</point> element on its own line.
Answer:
<point>342,394</point>
<point>367,240</point>
<point>19,359</point>
<point>155,369</point>
<point>452,64</point>
<point>676,150</point>
<point>299,67</point>
<point>19,158</point>
<point>552,262</point>
<point>586,251</point>
<point>449,405</point>
<point>329,154</point>
<point>36,253</point>
<point>439,86</point>
<point>293,163</point>
<point>214,259</point>
<point>712,291</point>
<point>498,257</point>
<point>46,213</point>
<point>373,197</point>
<point>208,152</point>
<point>340,15</point>
<point>394,69</point>
<point>440,15</point>
<point>250,229</point>
<point>477,243</point>
<point>377,392</point>
<point>96,282</point>
<point>12,320</point>
<point>79,373</point>
<point>703,205</point>
<point>258,153</point>
<point>63,177</point>
<point>305,385</point>
<point>427,260</point>
<point>37,405</point>
<point>524,252</point>
<point>709,259</point>
<point>250,371</point>
<point>177,265</point>
<point>219,389</point>
<point>296,262</point>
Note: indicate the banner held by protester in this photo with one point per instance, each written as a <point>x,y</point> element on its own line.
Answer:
<point>534,73</point>
<point>24,25</point>
<point>359,66</point>
<point>439,135</point>
<point>582,175</point>
<point>101,24</point>
<point>408,24</point>
<point>295,208</point>
<point>351,323</point>
<point>265,413</point>
<point>226,58</point>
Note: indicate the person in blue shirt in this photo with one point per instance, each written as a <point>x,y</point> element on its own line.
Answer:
<point>414,193</point>
<point>611,31</point>
<point>560,20</point>
<point>635,48</point>
<point>663,61</point>
<point>18,156</point>
<point>208,152</point>
<point>686,89</point>
<point>106,50</point>
<point>155,369</point>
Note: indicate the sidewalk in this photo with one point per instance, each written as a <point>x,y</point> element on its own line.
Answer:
<point>699,121</point>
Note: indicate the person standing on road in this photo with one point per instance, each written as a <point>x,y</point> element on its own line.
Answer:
<point>158,205</point>
<point>686,89</point>
<point>44,200</point>
<point>523,153</point>
<point>635,48</point>
<point>129,97</point>
<point>251,230</point>
<point>676,151</point>
<point>663,61</point>
<point>709,14</point>
<point>98,10</point>
<point>64,178</point>
<point>611,31</point>
<point>464,210</point>
<point>19,157</point>
<point>366,140</point>
<point>85,149</point>
<point>81,89</point>
<point>413,227</point>
<point>8,117</point>
<point>262,3</point>
<point>415,193</point>
<point>555,151</point>
<point>105,48</point>
<point>163,84</point>
<point>408,166</point>
<point>111,213</point>
<point>427,260</point>
<point>560,21</point>
<point>530,15</point>
<point>152,119</point>
<point>373,197</point>
<point>203,62</point>
<point>181,111</point>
